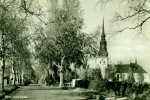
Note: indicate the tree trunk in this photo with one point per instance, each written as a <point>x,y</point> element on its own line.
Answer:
<point>22,82</point>
<point>124,89</point>
<point>61,84</point>
<point>18,79</point>
<point>56,76</point>
<point>14,77</point>
<point>3,70</point>
<point>3,59</point>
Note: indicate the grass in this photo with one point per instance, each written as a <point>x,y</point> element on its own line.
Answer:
<point>9,88</point>
<point>2,93</point>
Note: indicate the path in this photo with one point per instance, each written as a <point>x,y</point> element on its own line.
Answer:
<point>36,92</point>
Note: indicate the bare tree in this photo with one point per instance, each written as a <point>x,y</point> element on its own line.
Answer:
<point>136,12</point>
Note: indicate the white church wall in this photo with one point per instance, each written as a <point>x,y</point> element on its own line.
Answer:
<point>102,64</point>
<point>126,75</point>
<point>136,76</point>
<point>146,77</point>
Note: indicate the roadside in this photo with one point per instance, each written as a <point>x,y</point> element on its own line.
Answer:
<point>7,90</point>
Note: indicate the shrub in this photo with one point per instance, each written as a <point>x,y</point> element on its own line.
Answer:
<point>82,83</point>
<point>139,89</point>
<point>96,80</point>
<point>64,88</point>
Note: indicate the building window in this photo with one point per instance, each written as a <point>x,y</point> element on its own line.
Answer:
<point>104,62</point>
<point>117,77</point>
<point>100,62</point>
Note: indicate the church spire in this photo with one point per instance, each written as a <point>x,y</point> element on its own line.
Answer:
<point>103,30</point>
<point>103,43</point>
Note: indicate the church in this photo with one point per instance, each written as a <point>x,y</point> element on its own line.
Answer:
<point>122,70</point>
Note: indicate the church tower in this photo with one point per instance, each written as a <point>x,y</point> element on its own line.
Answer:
<point>103,53</point>
<point>103,44</point>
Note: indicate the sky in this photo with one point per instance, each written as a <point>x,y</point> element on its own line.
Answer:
<point>126,46</point>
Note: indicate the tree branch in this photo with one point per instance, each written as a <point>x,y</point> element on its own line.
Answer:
<point>138,12</point>
<point>54,63</point>
<point>24,6</point>
<point>62,60</point>
<point>26,9</point>
<point>139,25</point>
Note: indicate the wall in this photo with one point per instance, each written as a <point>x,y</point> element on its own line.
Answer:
<point>146,77</point>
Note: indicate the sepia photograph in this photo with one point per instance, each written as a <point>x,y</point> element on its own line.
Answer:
<point>74,50</point>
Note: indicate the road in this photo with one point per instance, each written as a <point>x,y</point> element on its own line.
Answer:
<point>36,92</point>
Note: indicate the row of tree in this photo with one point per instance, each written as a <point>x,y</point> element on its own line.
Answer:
<point>14,52</point>
<point>62,44</point>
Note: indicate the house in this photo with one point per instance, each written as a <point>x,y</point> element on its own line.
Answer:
<point>122,70</point>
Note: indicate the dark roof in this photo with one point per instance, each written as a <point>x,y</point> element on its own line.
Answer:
<point>125,68</point>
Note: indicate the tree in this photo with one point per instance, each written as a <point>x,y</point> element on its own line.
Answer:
<point>63,40</point>
<point>91,44</point>
<point>96,80</point>
<point>140,77</point>
<point>14,40</point>
<point>136,12</point>
<point>68,75</point>
<point>111,73</point>
<point>10,30</point>
<point>83,73</point>
<point>112,78</point>
<point>133,67</point>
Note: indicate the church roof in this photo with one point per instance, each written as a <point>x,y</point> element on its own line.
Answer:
<point>125,68</point>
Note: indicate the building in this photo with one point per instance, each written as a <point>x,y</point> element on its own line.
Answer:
<point>122,70</point>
